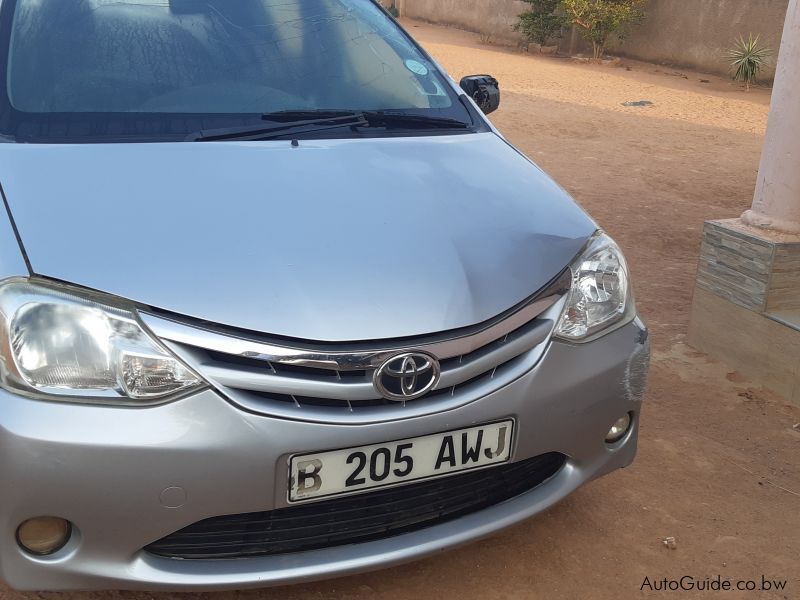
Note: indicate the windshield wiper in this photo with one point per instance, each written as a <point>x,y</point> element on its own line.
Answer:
<point>297,122</point>
<point>377,118</point>
<point>310,114</point>
<point>290,123</point>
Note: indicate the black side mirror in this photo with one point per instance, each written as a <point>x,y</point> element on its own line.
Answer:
<point>484,89</point>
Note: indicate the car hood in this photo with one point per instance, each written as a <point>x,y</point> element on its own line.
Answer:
<point>334,240</point>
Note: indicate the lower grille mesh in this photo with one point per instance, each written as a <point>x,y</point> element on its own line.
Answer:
<point>354,519</point>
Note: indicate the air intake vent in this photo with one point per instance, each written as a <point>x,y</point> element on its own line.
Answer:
<point>355,519</point>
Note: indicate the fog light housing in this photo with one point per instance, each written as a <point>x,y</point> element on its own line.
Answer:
<point>43,535</point>
<point>619,429</point>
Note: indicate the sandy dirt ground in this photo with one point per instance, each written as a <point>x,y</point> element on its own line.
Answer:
<point>718,465</point>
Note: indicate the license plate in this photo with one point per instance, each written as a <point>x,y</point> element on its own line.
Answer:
<point>353,470</point>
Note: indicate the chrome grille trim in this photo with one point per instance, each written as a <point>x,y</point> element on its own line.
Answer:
<point>198,337</point>
<point>492,359</point>
<point>354,389</point>
<point>256,379</point>
<point>365,413</point>
<point>333,384</point>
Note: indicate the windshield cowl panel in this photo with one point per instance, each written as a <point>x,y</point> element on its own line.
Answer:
<point>77,71</point>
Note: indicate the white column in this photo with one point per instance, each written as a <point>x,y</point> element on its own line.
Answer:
<point>776,204</point>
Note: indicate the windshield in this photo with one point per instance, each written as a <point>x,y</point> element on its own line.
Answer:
<point>108,70</point>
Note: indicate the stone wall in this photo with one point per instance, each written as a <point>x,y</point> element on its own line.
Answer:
<point>690,33</point>
<point>754,272</point>
<point>489,17</point>
<point>696,33</point>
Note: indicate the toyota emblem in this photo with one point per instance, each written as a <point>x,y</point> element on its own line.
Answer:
<point>407,376</point>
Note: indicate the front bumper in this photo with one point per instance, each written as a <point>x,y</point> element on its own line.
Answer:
<point>126,477</point>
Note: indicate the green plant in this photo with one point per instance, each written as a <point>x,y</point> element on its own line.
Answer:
<point>393,10</point>
<point>600,19</point>
<point>747,58</point>
<point>541,23</point>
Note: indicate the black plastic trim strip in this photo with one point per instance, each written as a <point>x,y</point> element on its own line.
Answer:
<point>16,232</point>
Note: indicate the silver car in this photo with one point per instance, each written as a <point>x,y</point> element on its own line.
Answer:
<point>278,302</point>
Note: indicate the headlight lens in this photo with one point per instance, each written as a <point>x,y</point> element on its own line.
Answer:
<point>600,294</point>
<point>62,344</point>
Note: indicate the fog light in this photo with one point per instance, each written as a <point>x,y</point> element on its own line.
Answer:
<point>43,535</point>
<point>619,429</point>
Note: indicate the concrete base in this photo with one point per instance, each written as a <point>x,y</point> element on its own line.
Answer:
<point>746,307</point>
<point>758,347</point>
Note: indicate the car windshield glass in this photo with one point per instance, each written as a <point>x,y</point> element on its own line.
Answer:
<point>112,70</point>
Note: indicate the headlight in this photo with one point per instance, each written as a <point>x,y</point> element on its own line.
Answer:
<point>59,343</point>
<point>600,294</point>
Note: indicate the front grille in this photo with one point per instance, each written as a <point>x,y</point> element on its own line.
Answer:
<point>357,519</point>
<point>330,382</point>
<point>309,385</point>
